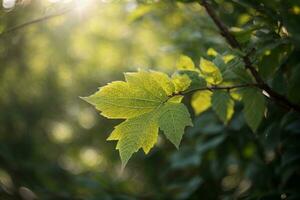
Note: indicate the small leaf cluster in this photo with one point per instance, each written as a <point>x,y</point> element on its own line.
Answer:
<point>217,91</point>
<point>150,101</point>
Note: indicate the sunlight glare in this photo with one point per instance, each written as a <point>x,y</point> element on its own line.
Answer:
<point>61,133</point>
<point>59,1</point>
<point>82,5</point>
<point>90,157</point>
<point>8,4</point>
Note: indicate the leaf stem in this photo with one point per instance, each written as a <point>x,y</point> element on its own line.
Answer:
<point>214,87</point>
<point>231,40</point>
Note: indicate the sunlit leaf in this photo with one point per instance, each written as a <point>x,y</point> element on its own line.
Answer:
<point>196,80</point>
<point>185,63</point>
<point>212,52</point>
<point>201,101</point>
<point>140,94</point>
<point>210,72</point>
<point>181,81</point>
<point>147,101</point>
<point>228,58</point>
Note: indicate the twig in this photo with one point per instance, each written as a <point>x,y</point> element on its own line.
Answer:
<point>222,87</point>
<point>38,20</point>
<point>278,98</point>
<point>222,27</point>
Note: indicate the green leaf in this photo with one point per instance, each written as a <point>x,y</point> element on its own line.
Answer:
<point>201,101</point>
<point>235,72</point>
<point>135,133</point>
<point>211,52</point>
<point>210,72</point>
<point>153,83</point>
<point>172,120</point>
<point>164,81</point>
<point>223,105</point>
<point>254,107</point>
<point>185,63</point>
<point>147,101</point>
<point>119,100</point>
<point>142,93</point>
<point>227,58</point>
<point>181,81</point>
<point>272,59</point>
<point>196,80</point>
<point>242,35</point>
<point>176,99</point>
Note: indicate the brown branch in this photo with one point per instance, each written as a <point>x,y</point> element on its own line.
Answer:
<point>222,27</point>
<point>278,98</point>
<point>211,88</point>
<point>35,21</point>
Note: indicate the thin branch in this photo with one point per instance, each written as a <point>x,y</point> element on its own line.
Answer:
<point>211,88</point>
<point>35,21</point>
<point>278,98</point>
<point>222,27</point>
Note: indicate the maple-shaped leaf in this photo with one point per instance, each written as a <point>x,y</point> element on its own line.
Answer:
<point>147,100</point>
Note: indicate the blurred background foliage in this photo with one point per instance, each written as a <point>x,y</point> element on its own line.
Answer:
<point>53,145</point>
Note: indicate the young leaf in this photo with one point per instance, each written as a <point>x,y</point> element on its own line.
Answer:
<point>181,81</point>
<point>254,107</point>
<point>223,105</point>
<point>187,76</point>
<point>146,100</point>
<point>201,101</point>
<point>210,72</point>
<point>196,80</point>
<point>211,52</point>
<point>185,63</point>
<point>173,119</point>
<point>226,58</point>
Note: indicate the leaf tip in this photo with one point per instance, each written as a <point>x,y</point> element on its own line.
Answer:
<point>123,165</point>
<point>124,162</point>
<point>86,99</point>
